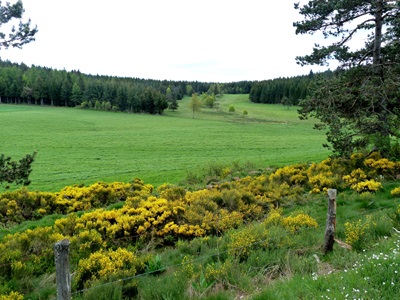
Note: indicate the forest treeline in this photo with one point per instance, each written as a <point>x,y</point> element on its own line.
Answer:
<point>287,91</point>
<point>20,84</point>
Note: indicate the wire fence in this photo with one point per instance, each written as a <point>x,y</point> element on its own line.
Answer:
<point>204,257</point>
<point>201,258</point>
<point>179,265</point>
<point>138,236</point>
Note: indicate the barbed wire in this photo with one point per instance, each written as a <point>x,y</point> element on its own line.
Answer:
<point>200,258</point>
<point>218,232</point>
<point>219,253</point>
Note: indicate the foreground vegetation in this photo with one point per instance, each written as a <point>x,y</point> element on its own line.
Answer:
<point>255,237</point>
<point>252,237</point>
<point>76,146</point>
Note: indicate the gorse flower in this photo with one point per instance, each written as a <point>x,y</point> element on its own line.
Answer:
<point>103,263</point>
<point>12,296</point>
<point>395,192</point>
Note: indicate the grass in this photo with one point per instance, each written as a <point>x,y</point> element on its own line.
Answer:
<point>85,146</point>
<point>297,271</point>
<point>78,146</point>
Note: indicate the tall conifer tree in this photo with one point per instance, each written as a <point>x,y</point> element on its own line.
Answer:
<point>359,106</point>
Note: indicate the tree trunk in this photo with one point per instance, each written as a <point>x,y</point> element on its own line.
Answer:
<point>376,59</point>
<point>383,142</point>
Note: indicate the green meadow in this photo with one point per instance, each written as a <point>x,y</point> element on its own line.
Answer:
<point>261,255</point>
<point>76,146</point>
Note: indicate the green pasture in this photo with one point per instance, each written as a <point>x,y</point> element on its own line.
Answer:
<point>76,146</point>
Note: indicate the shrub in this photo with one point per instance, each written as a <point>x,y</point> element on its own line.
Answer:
<point>22,205</point>
<point>12,296</point>
<point>295,174</point>
<point>295,223</point>
<point>218,271</point>
<point>367,186</point>
<point>355,177</point>
<point>171,192</point>
<point>381,166</point>
<point>102,264</point>
<point>355,233</point>
<point>242,241</point>
<point>395,192</point>
<point>359,232</point>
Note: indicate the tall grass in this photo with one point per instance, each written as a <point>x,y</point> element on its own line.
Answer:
<point>84,146</point>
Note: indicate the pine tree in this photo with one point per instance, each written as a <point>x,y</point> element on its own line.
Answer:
<point>359,105</point>
<point>20,35</point>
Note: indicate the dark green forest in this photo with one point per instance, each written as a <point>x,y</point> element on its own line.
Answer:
<point>288,91</point>
<point>20,84</point>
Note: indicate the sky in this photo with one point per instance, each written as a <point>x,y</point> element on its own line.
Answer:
<point>189,40</point>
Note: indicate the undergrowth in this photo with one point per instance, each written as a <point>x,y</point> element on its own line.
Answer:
<point>244,237</point>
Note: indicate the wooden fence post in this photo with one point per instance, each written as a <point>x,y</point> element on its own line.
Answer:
<point>330,222</point>
<point>63,277</point>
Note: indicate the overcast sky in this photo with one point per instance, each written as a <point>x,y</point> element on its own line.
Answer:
<point>207,40</point>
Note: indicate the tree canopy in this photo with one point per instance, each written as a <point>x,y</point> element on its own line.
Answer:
<point>20,34</point>
<point>195,104</point>
<point>15,172</point>
<point>359,106</point>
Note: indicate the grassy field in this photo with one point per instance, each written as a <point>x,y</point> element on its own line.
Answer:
<point>76,146</point>
<point>248,250</point>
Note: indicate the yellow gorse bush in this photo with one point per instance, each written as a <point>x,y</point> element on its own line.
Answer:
<point>241,242</point>
<point>301,220</point>
<point>321,176</point>
<point>23,252</point>
<point>382,166</point>
<point>246,195</point>
<point>395,192</point>
<point>12,296</point>
<point>295,174</point>
<point>355,232</point>
<point>291,223</point>
<point>367,186</point>
<point>172,213</point>
<point>103,263</point>
<point>357,180</point>
<point>274,217</point>
<point>187,266</point>
<point>218,271</point>
<point>21,205</point>
<point>355,176</point>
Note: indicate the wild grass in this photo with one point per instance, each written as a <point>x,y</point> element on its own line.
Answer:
<point>272,264</point>
<point>76,146</point>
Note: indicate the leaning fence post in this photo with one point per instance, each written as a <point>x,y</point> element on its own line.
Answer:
<point>330,222</point>
<point>63,277</point>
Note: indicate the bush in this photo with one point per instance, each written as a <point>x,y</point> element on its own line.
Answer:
<point>12,296</point>
<point>102,264</point>
<point>395,192</point>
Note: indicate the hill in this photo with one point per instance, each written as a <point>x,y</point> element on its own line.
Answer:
<point>241,233</point>
<point>77,146</point>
